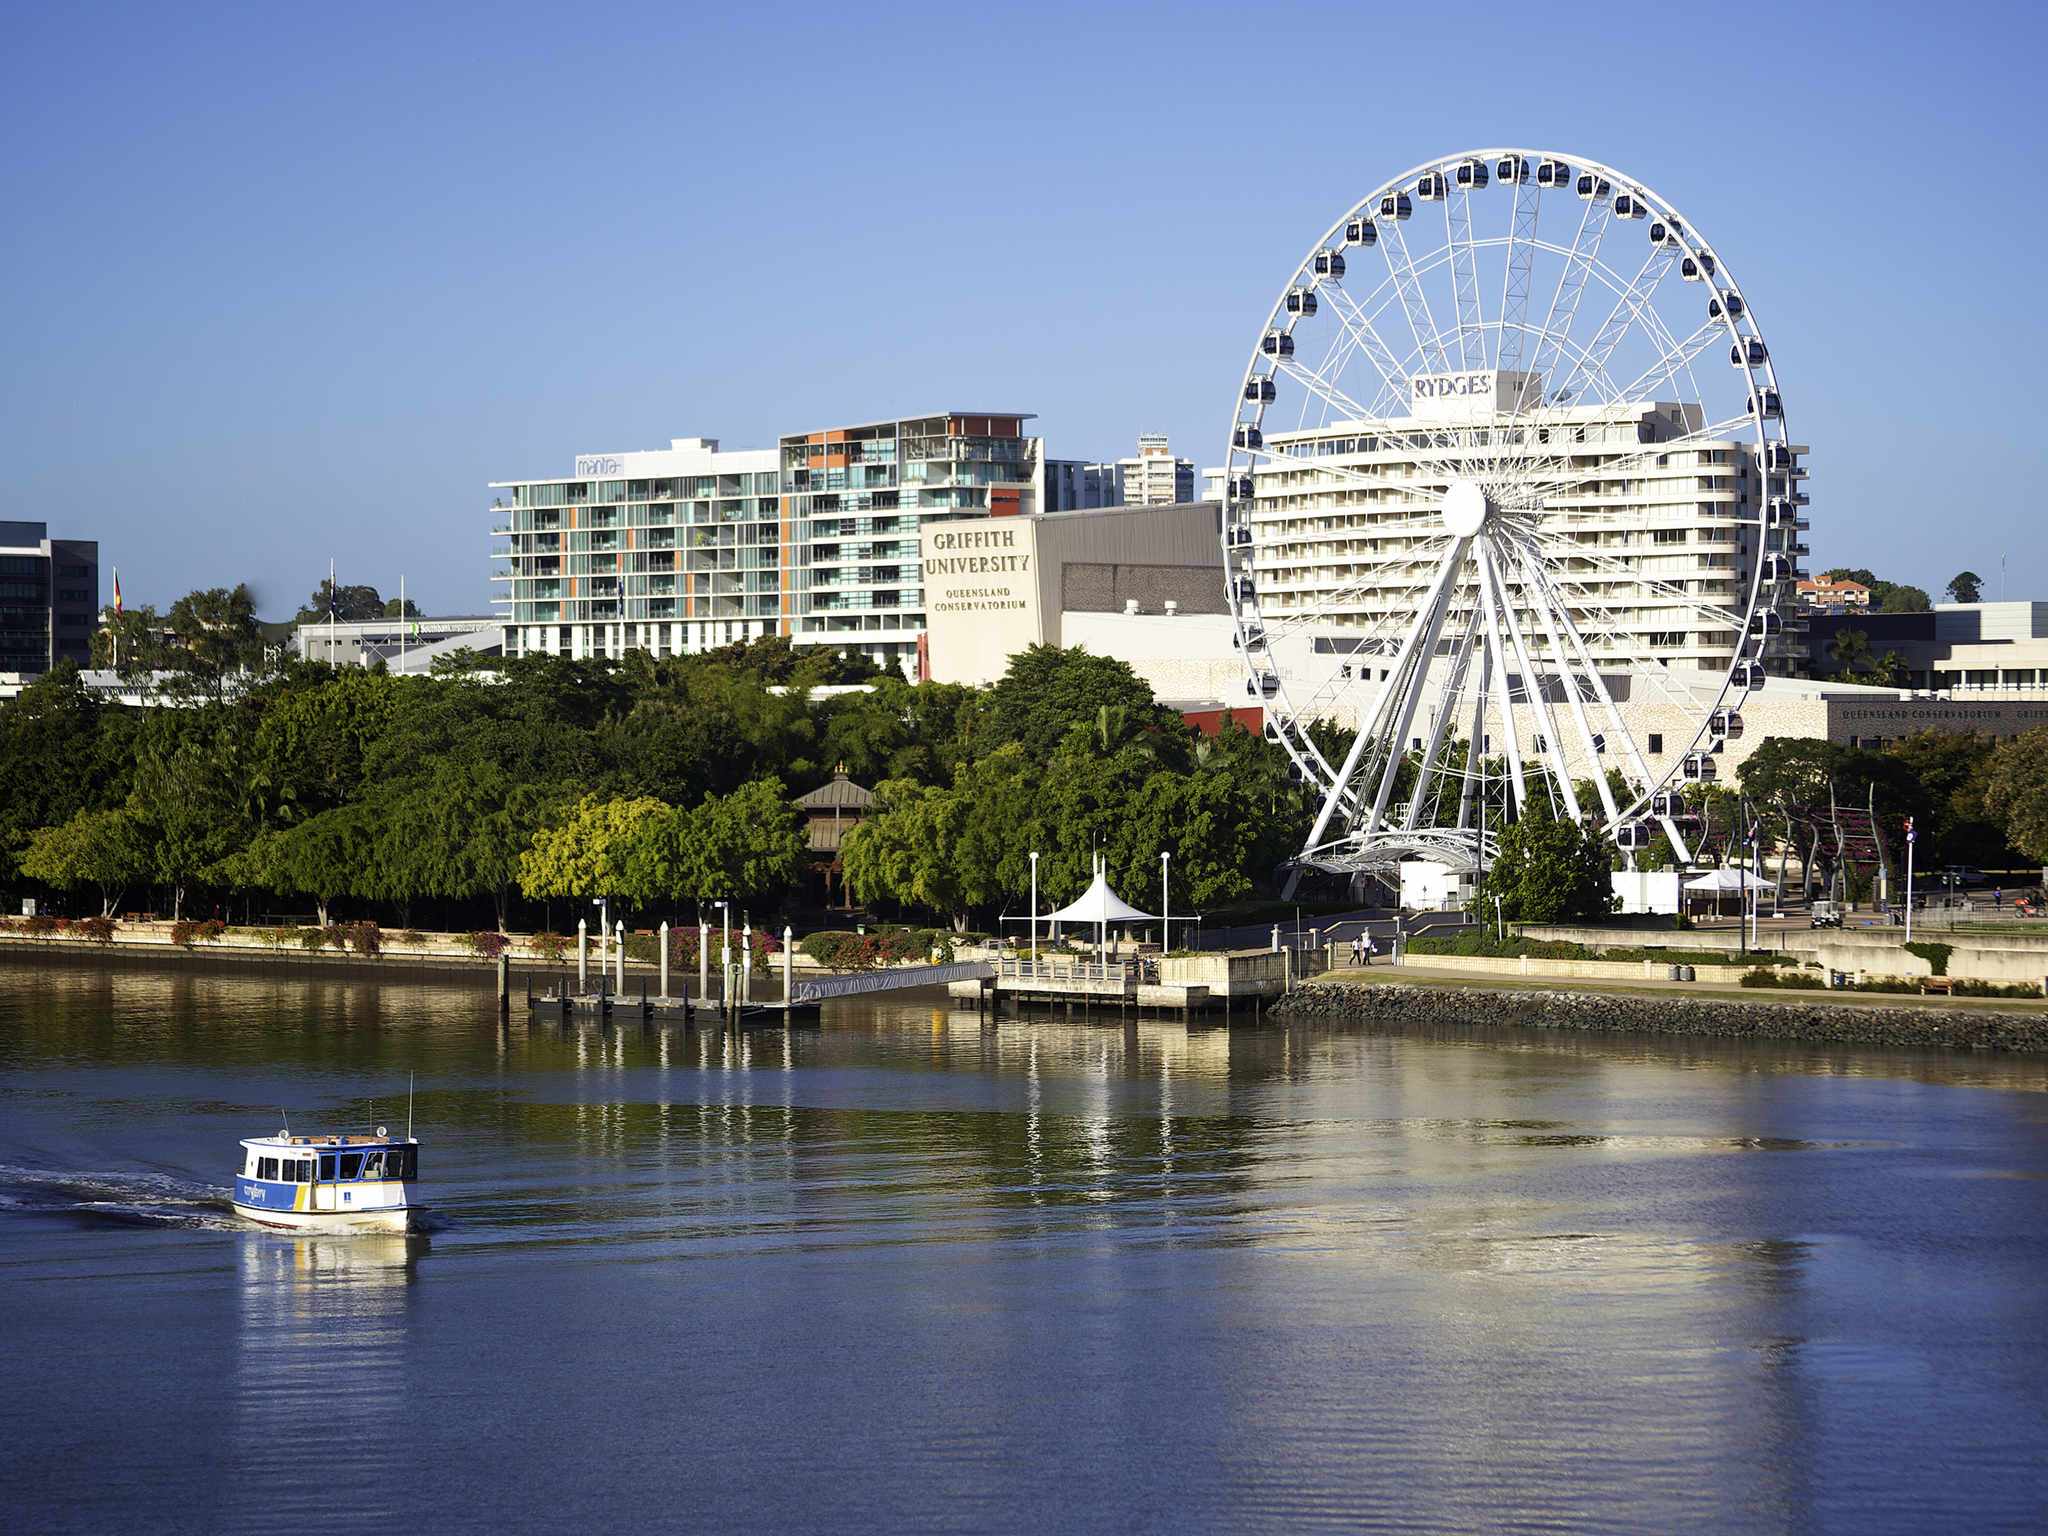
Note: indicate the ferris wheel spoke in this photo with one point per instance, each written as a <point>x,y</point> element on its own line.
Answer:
<point>1542,601</point>
<point>1429,343</point>
<point>1644,457</point>
<point>1643,778</point>
<point>1365,337</point>
<point>1521,261</point>
<point>1571,284</point>
<point>1592,369</point>
<point>1498,668</point>
<point>1464,277</point>
<point>1316,384</point>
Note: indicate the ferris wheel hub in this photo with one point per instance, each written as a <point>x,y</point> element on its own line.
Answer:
<point>1466,508</point>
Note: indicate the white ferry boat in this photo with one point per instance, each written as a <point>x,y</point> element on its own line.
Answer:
<point>329,1183</point>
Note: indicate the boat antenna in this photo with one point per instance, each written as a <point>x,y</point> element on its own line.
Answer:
<point>287,1119</point>
<point>408,1106</point>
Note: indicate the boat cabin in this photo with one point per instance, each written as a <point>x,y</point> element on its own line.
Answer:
<point>335,1173</point>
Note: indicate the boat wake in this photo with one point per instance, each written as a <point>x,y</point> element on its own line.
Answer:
<point>126,1199</point>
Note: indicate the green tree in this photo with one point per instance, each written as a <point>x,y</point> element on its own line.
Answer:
<point>399,608</point>
<point>1965,587</point>
<point>591,851</point>
<point>186,796</point>
<point>349,604</point>
<point>63,749</point>
<point>98,848</point>
<point>744,846</point>
<point>1906,599</point>
<point>1048,692</point>
<point>1548,870</point>
<point>217,634</point>
<point>2016,791</point>
<point>328,856</point>
<point>132,642</point>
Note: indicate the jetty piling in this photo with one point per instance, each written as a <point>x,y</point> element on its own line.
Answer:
<point>664,960</point>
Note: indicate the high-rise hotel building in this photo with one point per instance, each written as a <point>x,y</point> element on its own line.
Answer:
<point>692,547</point>
<point>1650,547</point>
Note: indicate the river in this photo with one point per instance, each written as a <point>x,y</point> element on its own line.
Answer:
<point>913,1271</point>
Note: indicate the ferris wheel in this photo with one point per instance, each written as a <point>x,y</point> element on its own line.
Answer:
<point>1509,495</point>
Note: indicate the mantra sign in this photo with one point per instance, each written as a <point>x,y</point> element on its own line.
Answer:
<point>598,464</point>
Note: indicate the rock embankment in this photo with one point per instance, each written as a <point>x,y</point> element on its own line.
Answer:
<point>1919,1028</point>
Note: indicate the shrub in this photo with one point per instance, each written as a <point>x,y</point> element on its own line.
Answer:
<point>1797,981</point>
<point>486,943</point>
<point>276,938</point>
<point>1935,954</point>
<point>1888,984</point>
<point>313,939</point>
<point>39,926</point>
<point>100,930</point>
<point>1973,988</point>
<point>549,946</point>
<point>185,930</point>
<point>365,938</point>
<point>412,938</point>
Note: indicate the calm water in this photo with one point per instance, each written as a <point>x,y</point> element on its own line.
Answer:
<point>911,1272</point>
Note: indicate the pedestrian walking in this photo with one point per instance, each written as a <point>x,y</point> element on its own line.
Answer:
<point>1357,949</point>
<point>1998,896</point>
<point>1371,949</point>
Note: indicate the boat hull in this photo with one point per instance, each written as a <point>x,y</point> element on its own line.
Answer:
<point>399,1218</point>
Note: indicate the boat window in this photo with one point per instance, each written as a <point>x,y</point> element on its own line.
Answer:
<point>305,1170</point>
<point>266,1168</point>
<point>402,1163</point>
<point>327,1167</point>
<point>373,1165</point>
<point>351,1164</point>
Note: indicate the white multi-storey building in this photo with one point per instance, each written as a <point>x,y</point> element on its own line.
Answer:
<point>673,550</point>
<point>1669,540</point>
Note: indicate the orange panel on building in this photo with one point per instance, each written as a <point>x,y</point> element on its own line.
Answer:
<point>1002,503</point>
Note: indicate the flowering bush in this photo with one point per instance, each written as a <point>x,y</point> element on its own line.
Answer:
<point>314,939</point>
<point>186,929</point>
<point>487,943</point>
<point>41,925</point>
<point>884,946</point>
<point>365,938</point>
<point>100,930</point>
<point>549,946</point>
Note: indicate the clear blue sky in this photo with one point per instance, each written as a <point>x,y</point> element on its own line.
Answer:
<point>286,281</point>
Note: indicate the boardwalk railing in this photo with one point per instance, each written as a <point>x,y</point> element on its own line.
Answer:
<point>859,983</point>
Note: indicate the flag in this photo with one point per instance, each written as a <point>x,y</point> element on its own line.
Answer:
<point>117,591</point>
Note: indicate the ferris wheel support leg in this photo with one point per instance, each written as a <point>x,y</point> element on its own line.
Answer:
<point>1474,753</point>
<point>1432,757</point>
<point>1503,699</point>
<point>1532,687</point>
<point>1418,658</point>
<point>1445,575</point>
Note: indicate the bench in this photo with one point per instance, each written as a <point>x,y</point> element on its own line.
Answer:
<point>1944,985</point>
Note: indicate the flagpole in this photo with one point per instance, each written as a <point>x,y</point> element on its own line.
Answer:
<point>401,621</point>
<point>333,640</point>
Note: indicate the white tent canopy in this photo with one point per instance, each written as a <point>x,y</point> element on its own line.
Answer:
<point>1099,904</point>
<point>1728,880</point>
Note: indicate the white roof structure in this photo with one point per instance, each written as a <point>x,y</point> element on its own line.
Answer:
<point>1099,904</point>
<point>1728,880</point>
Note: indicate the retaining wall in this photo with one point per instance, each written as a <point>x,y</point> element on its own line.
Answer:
<point>1938,1027</point>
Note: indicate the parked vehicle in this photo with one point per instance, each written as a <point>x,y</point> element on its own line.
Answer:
<point>1826,915</point>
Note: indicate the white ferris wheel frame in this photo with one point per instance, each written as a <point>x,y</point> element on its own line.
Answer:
<point>1510,560</point>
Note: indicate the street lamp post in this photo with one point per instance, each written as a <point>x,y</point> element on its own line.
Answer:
<point>1165,903</point>
<point>1034,912</point>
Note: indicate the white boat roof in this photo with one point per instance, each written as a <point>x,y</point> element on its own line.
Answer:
<point>324,1140</point>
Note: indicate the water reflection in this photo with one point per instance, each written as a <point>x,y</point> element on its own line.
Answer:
<point>320,1377</point>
